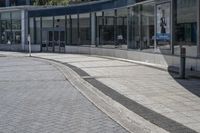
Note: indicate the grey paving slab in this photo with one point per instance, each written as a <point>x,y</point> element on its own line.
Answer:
<point>36,98</point>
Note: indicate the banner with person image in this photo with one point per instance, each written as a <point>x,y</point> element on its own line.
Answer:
<point>163,32</point>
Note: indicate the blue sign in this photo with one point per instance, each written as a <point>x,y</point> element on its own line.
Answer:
<point>163,36</point>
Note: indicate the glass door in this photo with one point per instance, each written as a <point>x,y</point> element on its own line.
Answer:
<point>56,41</point>
<point>59,41</point>
<point>50,44</point>
<point>44,40</point>
<point>53,40</point>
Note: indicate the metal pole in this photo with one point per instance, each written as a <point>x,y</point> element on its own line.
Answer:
<point>29,44</point>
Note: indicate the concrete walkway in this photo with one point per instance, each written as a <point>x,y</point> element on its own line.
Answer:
<point>156,90</point>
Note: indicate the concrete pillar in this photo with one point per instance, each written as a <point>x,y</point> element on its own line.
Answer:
<point>24,28</point>
<point>93,28</point>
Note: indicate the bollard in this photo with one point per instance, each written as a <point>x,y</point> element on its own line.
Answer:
<point>29,45</point>
<point>182,63</point>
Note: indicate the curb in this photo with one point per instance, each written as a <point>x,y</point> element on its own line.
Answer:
<point>190,74</point>
<point>155,66</point>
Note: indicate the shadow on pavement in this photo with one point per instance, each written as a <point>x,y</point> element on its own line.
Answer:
<point>191,83</point>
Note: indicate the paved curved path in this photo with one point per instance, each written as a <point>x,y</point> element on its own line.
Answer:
<point>156,90</point>
<point>36,98</point>
<point>169,103</point>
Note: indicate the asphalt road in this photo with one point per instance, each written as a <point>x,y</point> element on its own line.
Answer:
<point>36,98</point>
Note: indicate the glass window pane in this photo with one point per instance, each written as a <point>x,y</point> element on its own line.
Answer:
<point>141,27</point>
<point>99,27</point>
<point>17,37</point>
<point>62,36</point>
<point>84,25</point>
<point>16,15</point>
<point>75,38</point>
<point>47,22</point>
<point>122,27</point>
<point>59,22</point>
<point>59,27</point>
<point>56,35</point>
<point>186,26</point>
<point>147,27</point>
<point>38,30</point>
<point>68,30</point>
<point>16,27</point>
<point>47,28</point>
<point>108,28</point>
<point>6,34</point>
<point>16,24</point>
<point>31,27</point>
<point>5,16</point>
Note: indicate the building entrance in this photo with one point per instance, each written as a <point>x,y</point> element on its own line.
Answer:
<point>53,41</point>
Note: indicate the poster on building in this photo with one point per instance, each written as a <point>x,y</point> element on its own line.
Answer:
<point>163,22</point>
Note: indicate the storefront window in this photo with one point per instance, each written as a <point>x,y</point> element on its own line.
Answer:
<point>16,27</point>
<point>122,27</point>
<point>147,27</point>
<point>84,27</point>
<point>186,26</point>
<point>106,28</point>
<point>141,27</point>
<point>109,28</point>
<point>6,31</point>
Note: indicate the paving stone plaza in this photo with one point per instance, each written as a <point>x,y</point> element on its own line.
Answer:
<point>37,96</point>
<point>99,66</point>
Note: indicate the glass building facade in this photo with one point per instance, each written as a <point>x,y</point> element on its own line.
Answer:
<point>10,26</point>
<point>149,26</point>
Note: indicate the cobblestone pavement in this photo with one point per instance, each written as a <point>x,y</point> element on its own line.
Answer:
<point>157,90</point>
<point>36,98</point>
